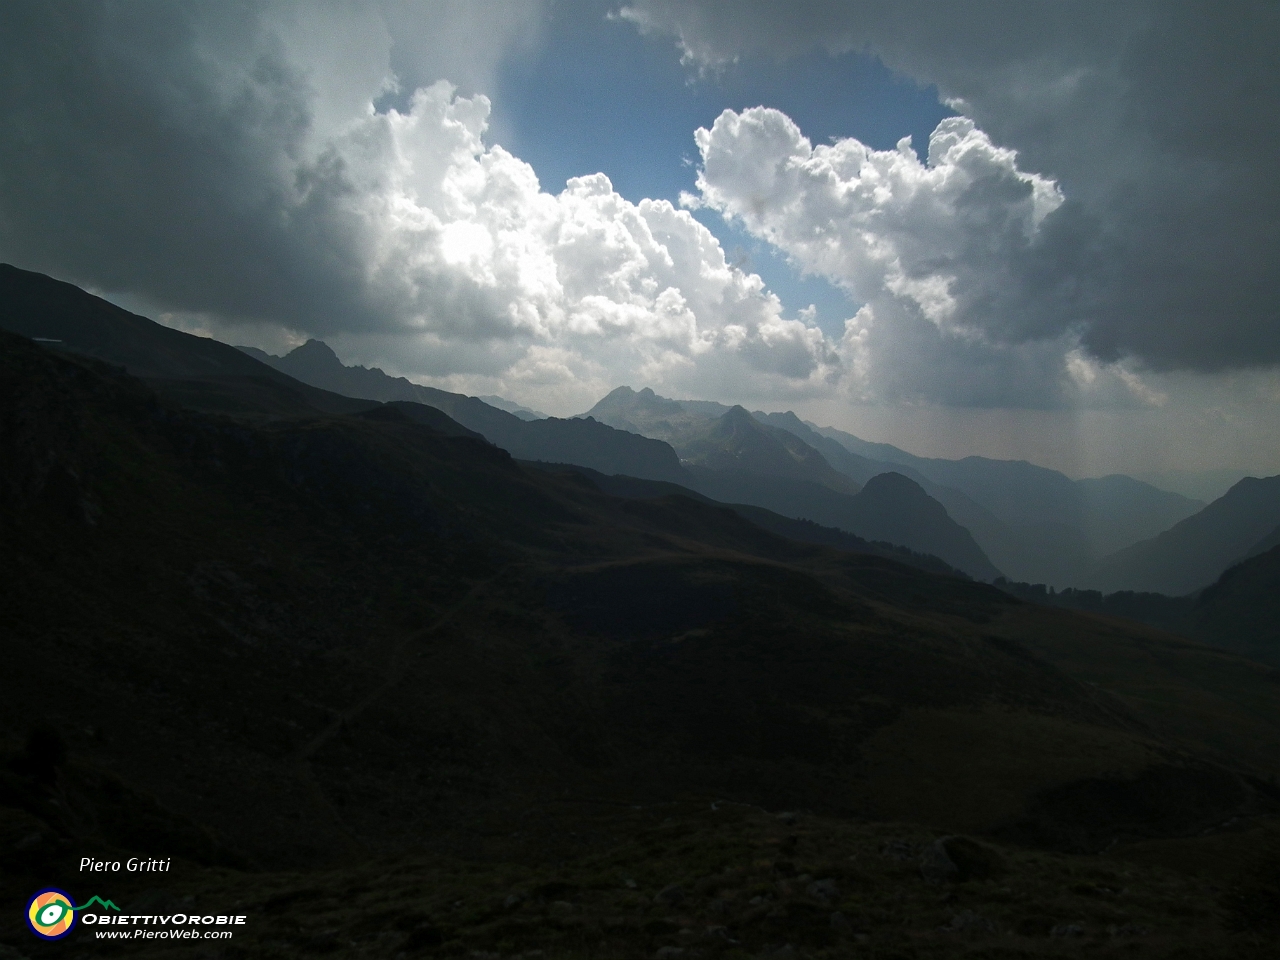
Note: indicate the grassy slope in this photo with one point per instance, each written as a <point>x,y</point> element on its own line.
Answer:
<point>332,641</point>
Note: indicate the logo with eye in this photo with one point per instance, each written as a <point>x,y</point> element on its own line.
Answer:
<point>50,914</point>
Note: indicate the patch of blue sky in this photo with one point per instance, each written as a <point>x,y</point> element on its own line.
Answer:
<point>831,305</point>
<point>596,96</point>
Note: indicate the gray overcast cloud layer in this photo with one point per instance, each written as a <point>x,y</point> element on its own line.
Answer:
<point>224,161</point>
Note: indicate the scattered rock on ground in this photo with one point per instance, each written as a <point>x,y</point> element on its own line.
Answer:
<point>671,894</point>
<point>825,890</point>
<point>936,865</point>
<point>967,920</point>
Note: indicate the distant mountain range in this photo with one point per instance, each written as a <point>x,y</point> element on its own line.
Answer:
<point>1193,553</point>
<point>732,458</point>
<point>805,531</point>
<point>1206,485</point>
<point>985,517</point>
<point>736,457</point>
<point>205,375</point>
<point>998,517</point>
<point>1038,524</point>
<point>737,442</point>
<point>521,411</point>
<point>583,442</point>
<point>1033,523</point>
<point>1110,533</point>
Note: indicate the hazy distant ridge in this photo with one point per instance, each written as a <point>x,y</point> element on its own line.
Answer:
<point>1109,512</point>
<point>1034,523</point>
<point>980,515</point>
<point>1193,553</point>
<point>203,374</point>
<point>734,457</point>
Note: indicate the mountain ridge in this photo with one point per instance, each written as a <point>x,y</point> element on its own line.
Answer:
<point>35,305</point>
<point>552,439</point>
<point>1032,522</point>
<point>1194,552</point>
<point>736,457</point>
<point>1106,510</point>
<point>737,440</point>
<point>205,374</point>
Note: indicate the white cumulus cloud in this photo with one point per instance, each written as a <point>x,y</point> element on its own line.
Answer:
<point>942,251</point>
<point>942,234</point>
<point>459,243</point>
<point>243,167</point>
<point>1154,118</point>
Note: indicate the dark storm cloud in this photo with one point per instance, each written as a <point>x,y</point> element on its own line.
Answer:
<point>150,147</point>
<point>1156,119</point>
<point>193,153</point>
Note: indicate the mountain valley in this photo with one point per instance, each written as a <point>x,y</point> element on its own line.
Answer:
<point>397,690</point>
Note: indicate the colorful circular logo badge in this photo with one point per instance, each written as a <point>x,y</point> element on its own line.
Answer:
<point>50,914</point>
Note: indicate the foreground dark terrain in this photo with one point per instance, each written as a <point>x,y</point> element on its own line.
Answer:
<point>388,692</point>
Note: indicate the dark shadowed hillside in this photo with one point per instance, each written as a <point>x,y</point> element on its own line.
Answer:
<point>291,649</point>
<point>380,565</point>
<point>1241,611</point>
<point>889,511</point>
<point>803,530</point>
<point>205,372</point>
<point>343,664</point>
<point>1238,612</point>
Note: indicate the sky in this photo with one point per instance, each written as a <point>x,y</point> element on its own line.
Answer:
<point>1037,230</point>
